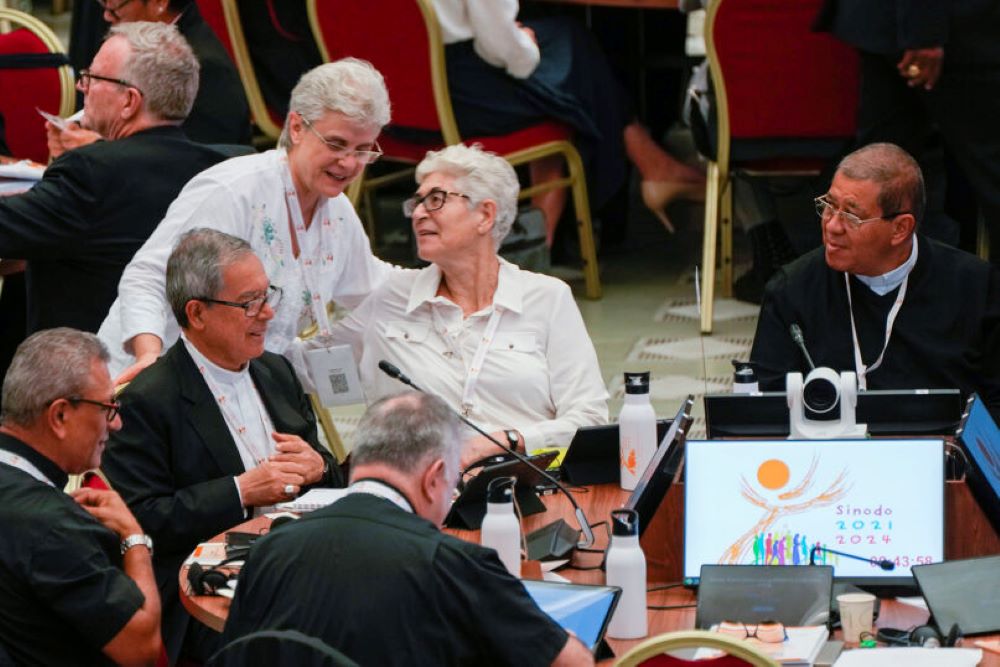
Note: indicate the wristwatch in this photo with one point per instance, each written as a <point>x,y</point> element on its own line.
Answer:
<point>137,540</point>
<point>512,439</point>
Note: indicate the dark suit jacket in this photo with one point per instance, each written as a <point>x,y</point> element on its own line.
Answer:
<point>80,225</point>
<point>966,28</point>
<point>221,114</point>
<point>174,461</point>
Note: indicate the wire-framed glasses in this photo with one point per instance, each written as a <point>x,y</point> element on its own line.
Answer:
<point>251,307</point>
<point>86,76</point>
<point>342,151</point>
<point>826,211</point>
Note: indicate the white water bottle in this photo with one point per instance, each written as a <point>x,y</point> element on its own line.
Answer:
<point>626,568</point>
<point>636,430</point>
<point>501,530</point>
<point>744,378</point>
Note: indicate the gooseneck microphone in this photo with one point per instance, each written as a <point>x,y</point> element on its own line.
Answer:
<point>884,563</point>
<point>588,535</point>
<point>797,336</point>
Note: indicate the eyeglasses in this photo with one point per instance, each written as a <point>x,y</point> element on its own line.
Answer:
<point>113,10</point>
<point>432,201</point>
<point>252,307</point>
<point>111,408</point>
<point>342,151</point>
<point>86,75</point>
<point>769,632</point>
<point>826,211</point>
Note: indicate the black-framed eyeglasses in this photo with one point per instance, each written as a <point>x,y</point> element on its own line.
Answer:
<point>432,201</point>
<point>826,211</point>
<point>251,307</point>
<point>113,10</point>
<point>86,76</point>
<point>342,151</point>
<point>769,632</point>
<point>110,408</point>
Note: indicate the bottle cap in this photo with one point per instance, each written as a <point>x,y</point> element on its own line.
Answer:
<point>501,490</point>
<point>743,371</point>
<point>624,523</point>
<point>637,383</point>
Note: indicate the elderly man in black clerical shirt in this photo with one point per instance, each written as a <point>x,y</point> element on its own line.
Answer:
<point>95,206</point>
<point>374,577</point>
<point>76,577</point>
<point>217,429</point>
<point>900,310</point>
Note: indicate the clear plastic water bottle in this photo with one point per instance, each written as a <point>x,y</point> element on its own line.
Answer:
<point>744,378</point>
<point>626,568</point>
<point>636,430</point>
<point>501,529</point>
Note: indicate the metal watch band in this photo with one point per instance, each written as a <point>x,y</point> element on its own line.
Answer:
<point>137,540</point>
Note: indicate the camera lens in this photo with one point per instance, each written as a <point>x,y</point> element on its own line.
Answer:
<point>820,395</point>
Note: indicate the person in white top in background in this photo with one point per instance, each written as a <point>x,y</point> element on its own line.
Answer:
<point>505,347</point>
<point>289,205</point>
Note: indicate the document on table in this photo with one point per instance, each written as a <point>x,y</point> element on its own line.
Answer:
<point>910,656</point>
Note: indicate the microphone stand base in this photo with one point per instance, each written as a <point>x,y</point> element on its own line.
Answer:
<point>552,542</point>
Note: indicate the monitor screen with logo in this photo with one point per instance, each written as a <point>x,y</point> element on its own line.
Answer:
<point>781,502</point>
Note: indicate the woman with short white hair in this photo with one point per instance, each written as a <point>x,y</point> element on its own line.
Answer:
<point>505,347</point>
<point>288,203</point>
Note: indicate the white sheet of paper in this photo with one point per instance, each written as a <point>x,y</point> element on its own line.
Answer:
<point>910,656</point>
<point>335,374</point>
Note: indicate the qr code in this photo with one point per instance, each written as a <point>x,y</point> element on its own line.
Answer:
<point>338,382</point>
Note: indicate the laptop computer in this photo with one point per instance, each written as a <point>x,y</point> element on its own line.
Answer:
<point>966,592</point>
<point>584,610</point>
<point>792,595</point>
<point>593,456</point>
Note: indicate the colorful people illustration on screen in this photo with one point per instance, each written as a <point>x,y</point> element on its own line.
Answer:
<point>774,475</point>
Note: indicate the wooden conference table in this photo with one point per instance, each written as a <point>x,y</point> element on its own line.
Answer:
<point>968,534</point>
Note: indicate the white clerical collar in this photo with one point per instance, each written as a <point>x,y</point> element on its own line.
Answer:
<point>887,282</point>
<point>219,374</point>
<point>382,489</point>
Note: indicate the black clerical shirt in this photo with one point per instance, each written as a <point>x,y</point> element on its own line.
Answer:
<point>386,587</point>
<point>946,336</point>
<point>63,593</point>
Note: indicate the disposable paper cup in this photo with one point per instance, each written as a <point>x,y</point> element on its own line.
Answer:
<point>856,614</point>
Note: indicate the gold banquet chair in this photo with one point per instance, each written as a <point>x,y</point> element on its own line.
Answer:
<point>651,653</point>
<point>402,39</point>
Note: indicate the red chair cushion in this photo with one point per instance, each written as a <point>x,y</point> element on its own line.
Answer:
<point>782,79</point>
<point>21,90</point>
<point>414,151</point>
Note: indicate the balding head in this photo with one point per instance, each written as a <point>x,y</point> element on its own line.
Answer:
<point>897,174</point>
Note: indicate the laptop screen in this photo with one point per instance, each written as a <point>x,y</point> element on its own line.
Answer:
<point>966,592</point>
<point>793,596</point>
<point>777,502</point>
<point>585,610</point>
<point>980,438</point>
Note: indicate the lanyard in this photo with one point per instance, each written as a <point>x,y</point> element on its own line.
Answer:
<point>310,258</point>
<point>472,373</point>
<point>237,425</point>
<point>382,490</point>
<point>859,365</point>
<point>21,463</point>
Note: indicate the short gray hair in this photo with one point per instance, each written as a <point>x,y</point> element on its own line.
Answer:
<point>900,181</point>
<point>480,175</point>
<point>350,86</point>
<point>162,65</point>
<point>194,269</point>
<point>48,365</point>
<point>408,431</point>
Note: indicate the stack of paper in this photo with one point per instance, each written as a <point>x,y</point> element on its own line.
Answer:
<point>800,649</point>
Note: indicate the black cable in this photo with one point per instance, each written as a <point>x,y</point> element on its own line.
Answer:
<point>665,587</point>
<point>582,568</point>
<point>671,606</point>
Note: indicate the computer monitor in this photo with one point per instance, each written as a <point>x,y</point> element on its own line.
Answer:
<point>770,502</point>
<point>886,412</point>
<point>663,469</point>
<point>979,437</point>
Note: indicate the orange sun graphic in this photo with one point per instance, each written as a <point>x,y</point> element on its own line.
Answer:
<point>773,474</point>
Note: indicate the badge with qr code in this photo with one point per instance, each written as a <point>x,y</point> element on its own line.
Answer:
<point>335,374</point>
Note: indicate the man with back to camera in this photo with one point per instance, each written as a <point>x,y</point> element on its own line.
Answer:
<point>373,576</point>
<point>899,309</point>
<point>95,206</point>
<point>76,577</point>
<point>217,428</point>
